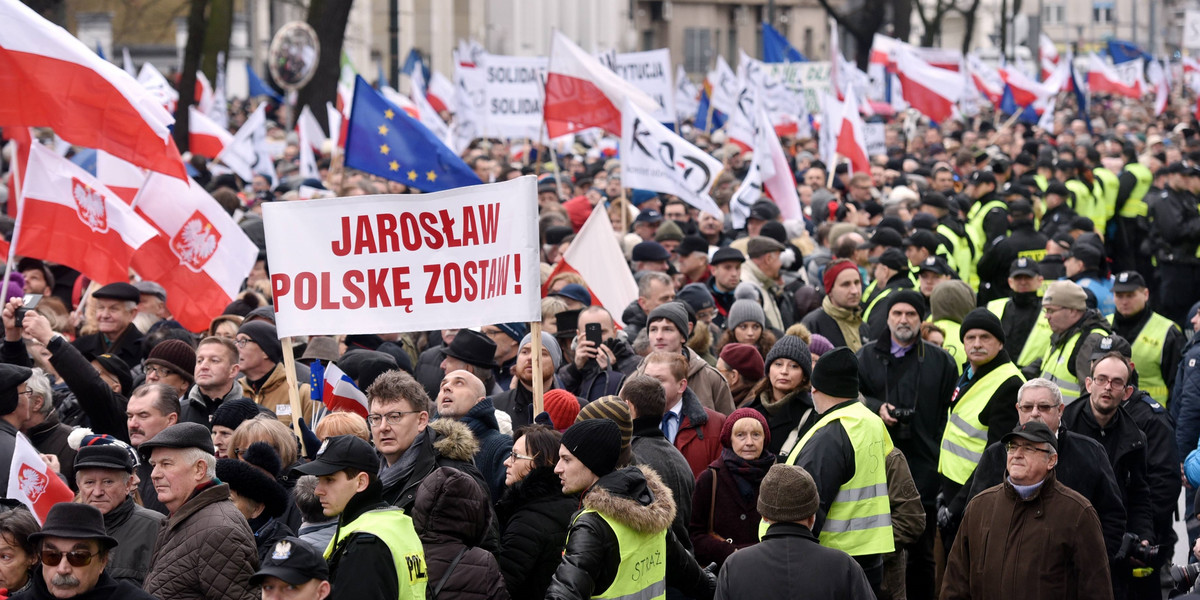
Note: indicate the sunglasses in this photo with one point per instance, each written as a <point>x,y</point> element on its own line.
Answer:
<point>77,558</point>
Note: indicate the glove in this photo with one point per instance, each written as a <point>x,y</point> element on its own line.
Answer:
<point>311,443</point>
<point>709,584</point>
<point>944,517</point>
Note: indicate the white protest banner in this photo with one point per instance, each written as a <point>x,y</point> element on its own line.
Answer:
<point>459,258</point>
<point>812,78</point>
<point>649,71</point>
<point>469,114</point>
<point>513,90</point>
<point>655,158</point>
<point>873,134</point>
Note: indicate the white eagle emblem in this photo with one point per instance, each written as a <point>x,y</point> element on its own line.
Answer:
<point>89,205</point>
<point>283,550</point>
<point>196,241</point>
<point>31,482</point>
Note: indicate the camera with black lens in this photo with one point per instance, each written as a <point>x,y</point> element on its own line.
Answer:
<point>1132,551</point>
<point>902,430</point>
<point>1178,579</point>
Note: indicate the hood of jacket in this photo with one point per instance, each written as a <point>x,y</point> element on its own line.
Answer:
<point>634,315</point>
<point>636,497</point>
<point>448,507</point>
<point>951,300</point>
<point>1091,319</point>
<point>454,440</point>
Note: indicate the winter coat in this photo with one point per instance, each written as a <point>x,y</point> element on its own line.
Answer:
<point>793,413</point>
<point>636,497</point>
<point>778,305</point>
<point>706,382</point>
<point>1162,461</point>
<point>50,437</point>
<point>1020,314</point>
<point>267,534</point>
<point>451,515</point>
<point>1079,364</point>
<point>1185,399</point>
<point>446,443</point>
<point>135,528</point>
<point>1125,446</point>
<point>518,402</point>
<point>318,535</point>
<point>273,395</point>
<point>1022,241</point>
<point>195,407</point>
<point>634,318</point>
<point>1057,220</point>
<point>205,550</point>
<point>494,446</point>
<point>534,517</point>
<point>821,322</point>
<point>999,415</point>
<point>699,435</point>
<point>923,379</point>
<point>791,563</point>
<point>594,383</point>
<point>735,518</point>
<point>1175,228</point>
<point>1082,466</point>
<point>1172,345</point>
<point>651,448</point>
<point>1048,547</point>
<point>127,347</point>
<point>106,588</point>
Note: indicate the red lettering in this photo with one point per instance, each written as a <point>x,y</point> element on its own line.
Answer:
<point>375,281</point>
<point>517,273</point>
<point>489,215</point>
<point>502,276</point>
<point>355,297</point>
<point>435,272</point>
<point>410,231</point>
<point>344,248</point>
<point>448,229</point>
<point>470,291</point>
<point>470,228</point>
<point>327,303</point>
<point>485,284</point>
<point>453,279</point>
<point>280,285</point>
<point>433,237</point>
<point>387,233</point>
<point>365,238</point>
<point>306,291</point>
<point>400,287</point>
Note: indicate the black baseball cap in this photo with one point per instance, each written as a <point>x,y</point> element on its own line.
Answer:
<point>981,176</point>
<point>1089,255</point>
<point>935,199</point>
<point>922,238</point>
<point>935,264</point>
<point>342,452</point>
<point>294,561</point>
<point>1034,431</point>
<point>1015,189</point>
<point>649,216</point>
<point>1058,189</point>
<point>1128,281</point>
<point>1024,266</point>
<point>893,259</point>
<point>884,236</point>
<point>1112,343</point>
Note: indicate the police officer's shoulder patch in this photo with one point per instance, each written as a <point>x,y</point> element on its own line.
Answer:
<point>1154,405</point>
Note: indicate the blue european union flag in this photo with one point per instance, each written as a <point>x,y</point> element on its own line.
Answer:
<point>1123,51</point>
<point>1008,106</point>
<point>701,120</point>
<point>383,140</point>
<point>776,48</point>
<point>258,88</point>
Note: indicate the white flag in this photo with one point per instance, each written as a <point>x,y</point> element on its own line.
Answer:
<point>247,155</point>
<point>1046,121</point>
<point>655,158</point>
<point>687,95</point>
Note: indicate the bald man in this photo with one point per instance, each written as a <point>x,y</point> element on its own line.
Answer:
<point>462,397</point>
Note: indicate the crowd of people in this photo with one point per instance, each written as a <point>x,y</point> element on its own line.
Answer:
<point>967,373</point>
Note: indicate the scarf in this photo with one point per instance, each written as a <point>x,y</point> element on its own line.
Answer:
<point>403,468</point>
<point>747,474</point>
<point>770,290</point>
<point>848,321</point>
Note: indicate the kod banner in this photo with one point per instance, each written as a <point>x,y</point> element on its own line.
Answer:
<point>460,258</point>
<point>513,92</point>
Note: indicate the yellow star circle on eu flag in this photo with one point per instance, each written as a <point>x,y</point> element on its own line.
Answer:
<point>383,130</point>
<point>431,176</point>
<point>384,149</point>
<point>412,175</point>
<point>388,113</point>
<point>395,166</point>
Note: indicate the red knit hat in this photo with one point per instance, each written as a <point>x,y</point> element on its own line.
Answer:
<point>578,210</point>
<point>744,359</point>
<point>562,406</point>
<point>744,413</point>
<point>832,271</point>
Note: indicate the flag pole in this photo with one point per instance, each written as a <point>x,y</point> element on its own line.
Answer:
<point>145,184</point>
<point>289,369</point>
<point>535,335</point>
<point>557,180</point>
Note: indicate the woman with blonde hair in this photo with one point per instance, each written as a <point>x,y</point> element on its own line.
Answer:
<point>265,428</point>
<point>341,422</point>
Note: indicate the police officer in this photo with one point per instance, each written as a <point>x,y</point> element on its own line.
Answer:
<point>845,452</point>
<point>1022,241</point>
<point>1078,179</point>
<point>293,571</point>
<point>1082,266</point>
<point>375,552</point>
<point>987,219</point>
<point>950,228</point>
<point>890,274</point>
<point>1132,216</point>
<point>1176,232</point>
<point>1058,215</point>
<point>1157,342</point>
<point>1077,330</point>
<point>1026,333</point>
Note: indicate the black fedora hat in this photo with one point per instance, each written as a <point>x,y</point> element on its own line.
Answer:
<point>473,348</point>
<point>74,521</point>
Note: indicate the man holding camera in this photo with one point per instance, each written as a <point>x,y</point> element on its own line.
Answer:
<point>909,383</point>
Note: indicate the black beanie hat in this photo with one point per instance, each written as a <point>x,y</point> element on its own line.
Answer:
<point>253,483</point>
<point>596,443</point>
<point>911,297</point>
<point>981,318</point>
<point>232,413</point>
<point>836,374</point>
<point>11,376</point>
<point>790,346</point>
<point>266,336</point>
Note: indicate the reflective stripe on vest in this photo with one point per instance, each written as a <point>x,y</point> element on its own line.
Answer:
<point>952,344</point>
<point>963,258</point>
<point>1038,341</point>
<point>1041,182</point>
<point>883,293</point>
<point>642,574</point>
<point>966,436</point>
<point>396,530</point>
<point>1107,204</point>
<point>1147,356</point>
<point>1135,205</point>
<point>975,218</point>
<point>1055,365</point>
<point>1083,202</point>
<point>859,521</point>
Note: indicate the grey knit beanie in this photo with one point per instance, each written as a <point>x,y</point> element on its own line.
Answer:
<point>550,344</point>
<point>790,346</point>
<point>745,310</point>
<point>675,312</point>
<point>787,494</point>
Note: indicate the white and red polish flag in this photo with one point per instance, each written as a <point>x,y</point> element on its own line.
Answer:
<point>440,93</point>
<point>70,218</point>
<point>199,255</point>
<point>54,80</point>
<point>930,90</point>
<point>851,136</point>
<point>334,388</point>
<point>596,257</point>
<point>1103,79</point>
<point>582,93</point>
<point>205,136</point>
<point>31,481</point>
<point>123,178</point>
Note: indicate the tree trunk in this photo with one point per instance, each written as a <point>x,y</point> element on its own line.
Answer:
<point>187,79</point>
<point>216,39</point>
<point>969,22</point>
<point>862,27</point>
<point>328,18</point>
<point>902,19</point>
<point>1004,30</point>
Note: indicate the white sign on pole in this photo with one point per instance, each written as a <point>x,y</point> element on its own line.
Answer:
<point>459,258</point>
<point>1191,29</point>
<point>809,78</point>
<point>873,135</point>
<point>649,71</point>
<point>513,92</point>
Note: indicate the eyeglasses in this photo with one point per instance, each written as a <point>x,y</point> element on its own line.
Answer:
<point>1050,310</point>
<point>1015,448</point>
<point>241,342</point>
<point>77,558</point>
<point>1028,408</point>
<point>392,418</point>
<point>1103,381</point>
<point>158,371</point>
<point>515,456</point>
<point>26,393</point>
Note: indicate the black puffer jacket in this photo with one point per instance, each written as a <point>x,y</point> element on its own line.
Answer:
<point>1125,446</point>
<point>636,497</point>
<point>451,516</point>
<point>534,516</point>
